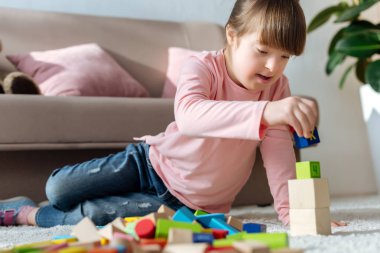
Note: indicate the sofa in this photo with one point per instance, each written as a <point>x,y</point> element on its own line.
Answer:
<point>41,133</point>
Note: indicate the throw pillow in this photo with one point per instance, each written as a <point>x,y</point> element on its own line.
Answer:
<point>177,56</point>
<point>82,70</point>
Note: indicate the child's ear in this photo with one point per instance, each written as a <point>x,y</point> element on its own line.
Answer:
<point>230,35</point>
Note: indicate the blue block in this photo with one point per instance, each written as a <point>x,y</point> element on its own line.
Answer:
<point>184,215</point>
<point>203,237</point>
<point>205,219</point>
<point>254,228</point>
<point>302,142</point>
<point>220,224</point>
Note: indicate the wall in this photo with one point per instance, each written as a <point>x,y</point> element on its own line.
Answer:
<point>344,150</point>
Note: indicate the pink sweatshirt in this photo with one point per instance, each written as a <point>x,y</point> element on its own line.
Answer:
<point>206,155</point>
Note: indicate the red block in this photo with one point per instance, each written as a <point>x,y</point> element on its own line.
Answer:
<point>219,233</point>
<point>145,228</point>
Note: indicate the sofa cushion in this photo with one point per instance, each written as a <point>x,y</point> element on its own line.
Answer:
<point>82,70</point>
<point>177,56</point>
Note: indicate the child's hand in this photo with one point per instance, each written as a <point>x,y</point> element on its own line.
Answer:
<point>335,224</point>
<point>299,113</point>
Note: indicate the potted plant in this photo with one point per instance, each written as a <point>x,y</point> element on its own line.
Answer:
<point>359,40</point>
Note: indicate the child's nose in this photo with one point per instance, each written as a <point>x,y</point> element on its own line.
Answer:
<point>271,64</point>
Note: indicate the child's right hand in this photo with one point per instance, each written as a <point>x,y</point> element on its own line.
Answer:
<point>299,113</point>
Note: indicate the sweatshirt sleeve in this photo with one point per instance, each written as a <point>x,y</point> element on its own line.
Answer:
<point>197,114</point>
<point>279,161</point>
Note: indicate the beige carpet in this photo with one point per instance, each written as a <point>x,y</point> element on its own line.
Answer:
<point>361,235</point>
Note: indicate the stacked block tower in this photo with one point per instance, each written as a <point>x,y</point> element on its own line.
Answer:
<point>309,201</point>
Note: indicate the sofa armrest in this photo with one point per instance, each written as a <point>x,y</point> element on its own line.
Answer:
<point>37,122</point>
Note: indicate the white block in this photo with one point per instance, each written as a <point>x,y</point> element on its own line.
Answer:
<point>309,193</point>
<point>310,221</point>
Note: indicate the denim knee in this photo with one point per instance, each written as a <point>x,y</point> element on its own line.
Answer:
<point>56,189</point>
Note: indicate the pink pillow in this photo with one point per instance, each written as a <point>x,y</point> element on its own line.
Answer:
<point>82,70</point>
<point>177,56</point>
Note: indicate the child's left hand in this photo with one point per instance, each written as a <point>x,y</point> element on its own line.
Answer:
<point>335,224</point>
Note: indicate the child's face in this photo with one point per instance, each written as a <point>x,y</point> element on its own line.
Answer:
<point>253,65</point>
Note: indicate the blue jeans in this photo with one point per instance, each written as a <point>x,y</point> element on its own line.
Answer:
<point>119,185</point>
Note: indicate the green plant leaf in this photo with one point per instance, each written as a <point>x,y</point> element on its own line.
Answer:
<point>345,75</point>
<point>361,44</point>
<point>354,11</point>
<point>361,66</point>
<point>323,16</point>
<point>372,75</point>
<point>334,60</point>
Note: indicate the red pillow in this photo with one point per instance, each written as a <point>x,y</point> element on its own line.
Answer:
<point>177,56</point>
<point>82,70</point>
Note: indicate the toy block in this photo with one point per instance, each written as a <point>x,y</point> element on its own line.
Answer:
<point>86,245</point>
<point>254,227</point>
<point>131,219</point>
<point>302,142</point>
<point>64,239</point>
<point>234,222</point>
<point>153,248</point>
<point>186,248</point>
<point>155,216</point>
<point>218,243</point>
<point>163,226</point>
<point>130,229</point>
<point>155,241</point>
<point>287,250</point>
<point>200,212</point>
<point>166,209</point>
<point>310,221</point>
<point>177,236</point>
<point>86,231</point>
<point>145,228</point>
<point>219,233</point>
<point>251,247</point>
<point>110,229</point>
<point>103,250</point>
<point>222,250</point>
<point>184,214</point>
<point>272,240</point>
<point>56,247</point>
<point>73,250</point>
<point>308,193</point>
<point>203,237</point>
<point>206,218</point>
<point>308,169</point>
<point>237,236</point>
<point>220,224</point>
<point>127,243</point>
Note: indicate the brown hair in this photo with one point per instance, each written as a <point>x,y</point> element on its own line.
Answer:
<point>281,23</point>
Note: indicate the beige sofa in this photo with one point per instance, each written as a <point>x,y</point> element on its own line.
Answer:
<point>38,134</point>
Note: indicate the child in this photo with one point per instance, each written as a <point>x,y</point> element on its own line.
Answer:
<point>227,104</point>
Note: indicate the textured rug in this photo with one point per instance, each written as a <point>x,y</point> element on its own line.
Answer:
<point>361,235</point>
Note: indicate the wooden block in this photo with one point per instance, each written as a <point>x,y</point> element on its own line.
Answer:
<point>110,229</point>
<point>287,250</point>
<point>310,221</point>
<point>220,224</point>
<point>73,250</point>
<point>177,235</point>
<point>220,243</point>
<point>222,250</point>
<point>234,222</point>
<point>237,236</point>
<point>131,219</point>
<point>203,237</point>
<point>200,212</point>
<point>206,219</point>
<point>145,228</point>
<point>152,248</point>
<point>272,240</point>
<point>155,216</point>
<point>103,250</point>
<point>308,169</point>
<point>166,209</point>
<point>156,241</point>
<point>250,247</point>
<point>186,248</point>
<point>302,142</point>
<point>250,227</point>
<point>86,245</point>
<point>309,193</point>
<point>86,231</point>
<point>184,214</point>
<point>163,226</point>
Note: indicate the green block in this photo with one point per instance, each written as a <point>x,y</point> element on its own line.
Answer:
<point>237,236</point>
<point>219,243</point>
<point>130,229</point>
<point>307,170</point>
<point>200,212</point>
<point>272,240</point>
<point>163,226</point>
